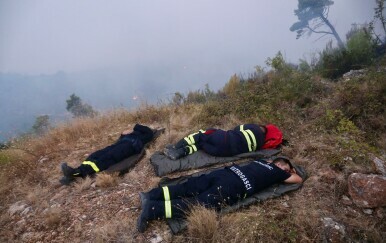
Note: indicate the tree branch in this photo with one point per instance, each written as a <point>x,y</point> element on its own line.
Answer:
<point>321,37</point>
<point>318,32</point>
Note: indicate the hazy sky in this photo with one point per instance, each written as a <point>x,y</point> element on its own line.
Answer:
<point>213,36</point>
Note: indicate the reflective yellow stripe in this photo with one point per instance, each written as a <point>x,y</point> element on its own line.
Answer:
<point>168,204</point>
<point>249,134</point>
<point>192,138</point>
<point>194,148</point>
<point>168,209</point>
<point>253,139</point>
<point>92,164</point>
<point>248,140</point>
<point>166,193</point>
<point>188,140</point>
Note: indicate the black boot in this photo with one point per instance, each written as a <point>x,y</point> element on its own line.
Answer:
<point>143,218</point>
<point>181,144</point>
<point>175,154</point>
<point>68,171</point>
<point>69,174</point>
<point>144,197</point>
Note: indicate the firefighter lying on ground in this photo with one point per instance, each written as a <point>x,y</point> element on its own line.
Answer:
<point>127,145</point>
<point>242,139</point>
<point>213,190</point>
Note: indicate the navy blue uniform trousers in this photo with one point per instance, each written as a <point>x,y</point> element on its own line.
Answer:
<point>218,142</point>
<point>213,190</point>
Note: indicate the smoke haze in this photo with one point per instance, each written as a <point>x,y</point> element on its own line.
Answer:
<point>107,52</point>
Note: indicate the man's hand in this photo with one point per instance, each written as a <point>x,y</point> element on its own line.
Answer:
<point>126,132</point>
<point>294,178</point>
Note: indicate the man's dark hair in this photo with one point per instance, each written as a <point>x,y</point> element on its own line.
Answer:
<point>283,159</point>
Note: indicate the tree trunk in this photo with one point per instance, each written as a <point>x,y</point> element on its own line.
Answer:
<point>337,37</point>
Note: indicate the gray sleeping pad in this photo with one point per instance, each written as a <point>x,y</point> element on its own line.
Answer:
<point>163,165</point>
<point>177,225</point>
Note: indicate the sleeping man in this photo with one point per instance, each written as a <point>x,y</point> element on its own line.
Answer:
<point>128,144</point>
<point>214,190</point>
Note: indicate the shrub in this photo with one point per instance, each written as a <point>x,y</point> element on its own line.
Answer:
<point>212,114</point>
<point>200,96</point>
<point>360,49</point>
<point>279,64</point>
<point>76,106</point>
<point>232,85</point>
<point>363,101</point>
<point>41,125</point>
<point>333,62</point>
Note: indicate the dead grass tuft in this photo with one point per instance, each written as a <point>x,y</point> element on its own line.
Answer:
<point>115,231</point>
<point>152,114</point>
<point>203,224</point>
<point>54,216</point>
<point>83,184</point>
<point>35,195</point>
<point>106,180</point>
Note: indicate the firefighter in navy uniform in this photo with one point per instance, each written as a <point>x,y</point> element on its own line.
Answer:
<point>214,190</point>
<point>128,144</point>
<point>242,139</point>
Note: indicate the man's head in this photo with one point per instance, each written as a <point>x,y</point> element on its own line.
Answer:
<point>283,163</point>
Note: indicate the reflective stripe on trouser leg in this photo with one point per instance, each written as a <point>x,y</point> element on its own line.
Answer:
<point>168,203</point>
<point>192,148</point>
<point>253,139</point>
<point>248,140</point>
<point>92,164</point>
<point>190,138</point>
<point>248,134</point>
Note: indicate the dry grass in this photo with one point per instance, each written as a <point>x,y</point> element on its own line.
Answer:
<point>252,225</point>
<point>54,216</point>
<point>203,225</point>
<point>106,180</point>
<point>115,230</point>
<point>83,184</point>
<point>35,195</point>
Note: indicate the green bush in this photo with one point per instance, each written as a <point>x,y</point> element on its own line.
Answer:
<point>333,62</point>
<point>363,101</point>
<point>360,49</point>
<point>212,113</point>
<point>359,53</point>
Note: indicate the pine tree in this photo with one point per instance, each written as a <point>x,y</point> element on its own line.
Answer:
<point>78,108</point>
<point>312,15</point>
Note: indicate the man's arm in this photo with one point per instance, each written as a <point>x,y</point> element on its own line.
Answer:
<point>294,178</point>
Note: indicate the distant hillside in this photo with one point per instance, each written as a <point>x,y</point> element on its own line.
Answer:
<point>24,97</point>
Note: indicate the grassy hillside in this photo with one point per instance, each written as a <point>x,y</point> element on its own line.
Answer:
<point>334,128</point>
